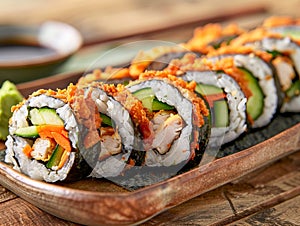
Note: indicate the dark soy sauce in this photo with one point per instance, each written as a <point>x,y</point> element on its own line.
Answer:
<point>15,53</point>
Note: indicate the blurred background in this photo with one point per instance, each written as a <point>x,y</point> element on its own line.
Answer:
<point>109,19</point>
<point>108,23</point>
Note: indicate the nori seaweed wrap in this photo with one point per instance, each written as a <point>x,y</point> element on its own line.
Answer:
<point>43,140</point>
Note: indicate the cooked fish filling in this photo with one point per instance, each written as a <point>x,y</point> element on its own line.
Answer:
<point>111,143</point>
<point>167,128</point>
<point>285,71</point>
<point>42,149</point>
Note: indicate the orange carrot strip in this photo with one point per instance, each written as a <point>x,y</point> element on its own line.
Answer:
<point>52,128</point>
<point>27,150</point>
<point>45,134</point>
<point>46,131</point>
<point>62,141</point>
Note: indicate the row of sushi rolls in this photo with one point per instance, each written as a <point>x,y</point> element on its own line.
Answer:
<point>162,111</point>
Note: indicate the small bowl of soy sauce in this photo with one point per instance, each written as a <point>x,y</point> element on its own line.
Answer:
<point>33,52</point>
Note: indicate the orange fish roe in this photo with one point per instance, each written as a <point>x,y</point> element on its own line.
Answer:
<point>213,32</point>
<point>59,94</point>
<point>252,36</point>
<point>165,75</point>
<point>135,108</point>
<point>227,65</point>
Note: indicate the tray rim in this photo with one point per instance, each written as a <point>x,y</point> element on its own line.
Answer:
<point>238,165</point>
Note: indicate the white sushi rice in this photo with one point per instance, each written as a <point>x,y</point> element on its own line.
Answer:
<point>15,145</point>
<point>286,45</point>
<point>236,103</point>
<point>114,165</point>
<point>263,73</point>
<point>167,93</point>
<point>283,45</point>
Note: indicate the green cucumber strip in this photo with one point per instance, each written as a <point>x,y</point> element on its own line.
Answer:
<point>206,90</point>
<point>147,96</point>
<point>55,157</point>
<point>255,103</point>
<point>106,120</point>
<point>221,113</point>
<point>147,102</point>
<point>45,116</point>
<point>51,117</point>
<point>294,90</point>
<point>143,93</point>
<point>274,53</point>
<point>35,117</point>
<point>158,105</point>
<point>27,132</point>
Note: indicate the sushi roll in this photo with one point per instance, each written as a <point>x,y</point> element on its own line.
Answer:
<point>224,97</point>
<point>43,140</point>
<point>285,59</point>
<point>254,68</point>
<point>178,117</point>
<point>112,127</point>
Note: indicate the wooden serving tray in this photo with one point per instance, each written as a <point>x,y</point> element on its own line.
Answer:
<point>95,202</point>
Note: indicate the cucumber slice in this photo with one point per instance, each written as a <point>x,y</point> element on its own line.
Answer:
<point>143,93</point>
<point>146,95</point>
<point>106,120</point>
<point>294,90</point>
<point>255,103</point>
<point>158,105</point>
<point>147,102</point>
<point>221,113</point>
<point>35,117</point>
<point>44,116</point>
<point>55,157</point>
<point>27,132</point>
<point>206,90</point>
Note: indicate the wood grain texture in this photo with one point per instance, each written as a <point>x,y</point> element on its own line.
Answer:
<point>286,213</point>
<point>89,207</point>
<point>26,214</point>
<point>6,195</point>
<point>258,198</point>
<point>272,191</point>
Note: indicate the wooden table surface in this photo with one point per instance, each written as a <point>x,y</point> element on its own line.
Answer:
<point>268,196</point>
